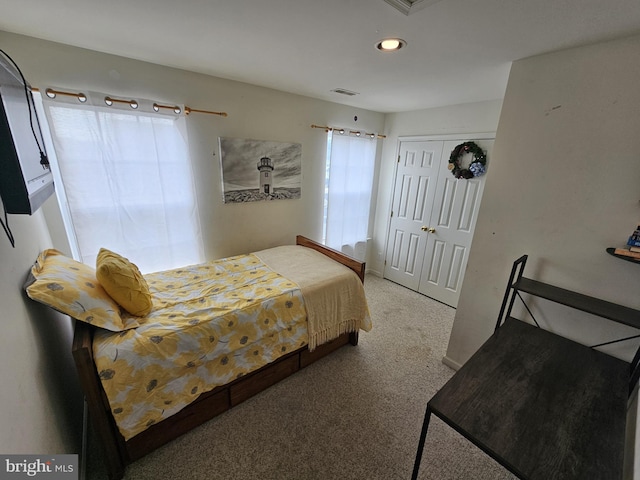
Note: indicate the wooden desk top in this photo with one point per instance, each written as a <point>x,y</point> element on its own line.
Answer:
<point>543,406</point>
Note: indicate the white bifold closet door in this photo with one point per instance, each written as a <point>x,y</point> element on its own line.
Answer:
<point>432,219</point>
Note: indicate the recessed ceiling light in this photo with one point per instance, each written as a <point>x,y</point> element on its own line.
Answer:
<point>390,44</point>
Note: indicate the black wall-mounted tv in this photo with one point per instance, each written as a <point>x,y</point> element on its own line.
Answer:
<point>26,180</point>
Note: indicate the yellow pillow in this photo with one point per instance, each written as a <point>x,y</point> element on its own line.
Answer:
<point>70,287</point>
<point>123,282</point>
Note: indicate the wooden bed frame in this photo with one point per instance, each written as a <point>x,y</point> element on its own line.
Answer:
<point>118,453</point>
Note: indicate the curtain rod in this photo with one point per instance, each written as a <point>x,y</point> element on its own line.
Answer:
<point>51,93</point>
<point>353,132</point>
<point>188,110</point>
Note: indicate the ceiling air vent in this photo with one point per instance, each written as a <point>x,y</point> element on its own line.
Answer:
<point>410,6</point>
<point>343,91</point>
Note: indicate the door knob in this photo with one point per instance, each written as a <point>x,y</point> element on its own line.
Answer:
<point>428,229</point>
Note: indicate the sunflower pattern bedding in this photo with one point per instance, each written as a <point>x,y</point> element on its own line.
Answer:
<point>210,324</point>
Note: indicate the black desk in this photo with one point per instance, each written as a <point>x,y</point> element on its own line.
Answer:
<point>543,406</point>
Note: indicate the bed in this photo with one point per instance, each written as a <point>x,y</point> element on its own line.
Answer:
<point>208,337</point>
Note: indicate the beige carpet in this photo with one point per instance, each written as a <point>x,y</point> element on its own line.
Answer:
<point>356,414</point>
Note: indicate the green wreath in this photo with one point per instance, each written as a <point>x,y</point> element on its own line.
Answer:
<point>477,167</point>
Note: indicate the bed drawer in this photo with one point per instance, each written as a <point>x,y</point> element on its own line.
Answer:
<point>307,357</point>
<point>268,376</point>
<point>205,408</point>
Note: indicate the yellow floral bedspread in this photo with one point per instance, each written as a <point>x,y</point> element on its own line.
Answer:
<point>210,324</point>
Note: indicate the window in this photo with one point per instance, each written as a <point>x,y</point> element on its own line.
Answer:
<point>349,181</point>
<point>126,184</point>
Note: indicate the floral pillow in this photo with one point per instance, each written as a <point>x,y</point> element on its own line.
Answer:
<point>71,287</point>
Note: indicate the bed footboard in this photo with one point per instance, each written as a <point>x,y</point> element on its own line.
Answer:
<point>355,265</point>
<point>347,261</point>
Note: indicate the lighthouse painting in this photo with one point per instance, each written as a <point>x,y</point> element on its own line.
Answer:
<point>256,170</point>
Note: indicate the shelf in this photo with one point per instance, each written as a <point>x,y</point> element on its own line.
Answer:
<point>595,306</point>
<point>611,251</point>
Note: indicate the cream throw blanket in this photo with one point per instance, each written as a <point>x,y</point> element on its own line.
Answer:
<point>333,294</point>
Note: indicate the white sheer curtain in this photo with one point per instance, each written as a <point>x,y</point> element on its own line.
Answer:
<point>350,171</point>
<point>127,183</point>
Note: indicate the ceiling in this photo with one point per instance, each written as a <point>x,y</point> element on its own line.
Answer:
<point>457,51</point>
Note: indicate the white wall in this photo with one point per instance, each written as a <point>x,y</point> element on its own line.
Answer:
<point>465,118</point>
<point>254,112</point>
<point>40,400</point>
<point>564,184</point>
<point>41,403</point>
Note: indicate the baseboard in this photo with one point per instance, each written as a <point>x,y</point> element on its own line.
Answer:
<point>451,363</point>
<point>374,272</point>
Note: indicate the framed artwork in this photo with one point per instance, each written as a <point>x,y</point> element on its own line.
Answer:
<point>255,170</point>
